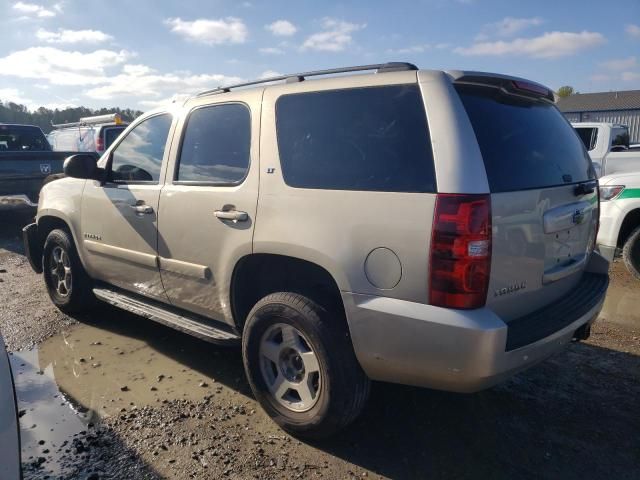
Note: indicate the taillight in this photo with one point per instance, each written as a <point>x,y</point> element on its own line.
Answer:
<point>100,144</point>
<point>460,251</point>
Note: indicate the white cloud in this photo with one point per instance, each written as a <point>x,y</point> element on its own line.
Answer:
<point>271,51</point>
<point>619,63</point>
<point>31,9</point>
<point>600,77</point>
<point>548,45</point>
<point>61,67</point>
<point>630,76</point>
<point>633,30</point>
<point>13,95</point>
<point>269,74</point>
<point>335,37</point>
<point>210,31</point>
<point>72,36</point>
<point>282,28</point>
<point>412,49</point>
<point>133,81</point>
<point>508,27</point>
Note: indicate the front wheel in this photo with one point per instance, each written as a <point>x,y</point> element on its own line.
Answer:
<point>301,366</point>
<point>68,285</point>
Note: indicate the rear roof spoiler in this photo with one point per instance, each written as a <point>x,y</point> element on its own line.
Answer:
<point>511,85</point>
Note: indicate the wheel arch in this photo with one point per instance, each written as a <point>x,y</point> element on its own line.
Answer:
<point>50,220</point>
<point>260,274</point>
<point>629,224</point>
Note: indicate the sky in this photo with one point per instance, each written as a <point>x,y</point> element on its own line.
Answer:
<point>139,54</point>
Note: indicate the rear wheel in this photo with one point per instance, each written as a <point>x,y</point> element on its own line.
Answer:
<point>67,283</point>
<point>631,253</point>
<point>301,365</point>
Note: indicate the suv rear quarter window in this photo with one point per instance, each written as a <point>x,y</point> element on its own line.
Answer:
<point>371,139</point>
<point>525,143</point>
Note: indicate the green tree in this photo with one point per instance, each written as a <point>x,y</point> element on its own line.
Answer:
<point>565,91</point>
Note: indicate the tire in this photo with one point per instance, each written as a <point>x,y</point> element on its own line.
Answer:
<point>631,253</point>
<point>68,285</point>
<point>332,390</point>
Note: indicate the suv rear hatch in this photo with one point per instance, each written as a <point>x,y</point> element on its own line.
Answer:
<point>544,196</point>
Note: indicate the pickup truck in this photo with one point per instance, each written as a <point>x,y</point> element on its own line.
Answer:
<point>619,231</point>
<point>26,161</point>
<point>608,147</point>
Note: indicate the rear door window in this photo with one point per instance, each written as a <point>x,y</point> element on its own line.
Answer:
<point>525,143</point>
<point>110,134</point>
<point>620,138</point>
<point>372,139</point>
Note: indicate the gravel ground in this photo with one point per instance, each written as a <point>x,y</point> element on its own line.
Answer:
<point>171,406</point>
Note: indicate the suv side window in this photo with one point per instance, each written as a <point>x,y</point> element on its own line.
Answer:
<point>369,139</point>
<point>138,157</point>
<point>216,145</point>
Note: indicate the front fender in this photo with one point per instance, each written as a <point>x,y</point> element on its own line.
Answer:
<point>61,201</point>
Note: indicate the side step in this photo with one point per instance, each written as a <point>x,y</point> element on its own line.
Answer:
<point>209,330</point>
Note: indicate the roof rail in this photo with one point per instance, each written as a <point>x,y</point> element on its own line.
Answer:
<point>299,77</point>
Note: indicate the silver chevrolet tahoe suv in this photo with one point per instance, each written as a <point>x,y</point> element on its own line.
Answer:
<point>429,228</point>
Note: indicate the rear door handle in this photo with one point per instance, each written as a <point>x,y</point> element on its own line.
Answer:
<point>233,215</point>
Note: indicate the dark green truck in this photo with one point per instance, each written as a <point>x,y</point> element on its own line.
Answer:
<point>26,161</point>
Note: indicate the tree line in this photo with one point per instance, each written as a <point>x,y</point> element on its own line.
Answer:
<point>43,117</point>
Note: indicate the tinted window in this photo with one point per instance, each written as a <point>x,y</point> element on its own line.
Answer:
<point>524,143</point>
<point>139,156</point>
<point>588,136</point>
<point>18,138</point>
<point>620,137</point>
<point>216,145</point>
<point>110,134</point>
<point>357,139</point>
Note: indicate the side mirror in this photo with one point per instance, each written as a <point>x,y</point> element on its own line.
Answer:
<point>81,166</point>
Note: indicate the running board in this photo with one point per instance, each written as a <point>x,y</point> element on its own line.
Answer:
<point>198,326</point>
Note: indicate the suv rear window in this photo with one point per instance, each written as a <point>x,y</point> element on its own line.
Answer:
<point>110,134</point>
<point>373,139</point>
<point>525,143</point>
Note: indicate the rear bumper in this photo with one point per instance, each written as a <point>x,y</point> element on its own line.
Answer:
<point>33,246</point>
<point>16,202</point>
<point>463,351</point>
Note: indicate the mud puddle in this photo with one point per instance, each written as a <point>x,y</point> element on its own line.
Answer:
<point>94,371</point>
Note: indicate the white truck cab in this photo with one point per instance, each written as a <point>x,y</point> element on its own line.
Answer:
<point>608,146</point>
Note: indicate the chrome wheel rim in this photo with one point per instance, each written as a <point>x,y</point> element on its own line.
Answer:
<point>290,367</point>
<point>60,269</point>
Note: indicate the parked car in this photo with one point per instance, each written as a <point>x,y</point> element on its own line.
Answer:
<point>90,134</point>
<point>343,229</point>
<point>9,426</point>
<point>608,147</point>
<point>26,160</point>
<point>620,219</point>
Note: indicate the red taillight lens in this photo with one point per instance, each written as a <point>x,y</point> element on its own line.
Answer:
<point>100,144</point>
<point>460,251</point>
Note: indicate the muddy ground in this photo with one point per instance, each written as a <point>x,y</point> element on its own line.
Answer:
<point>112,395</point>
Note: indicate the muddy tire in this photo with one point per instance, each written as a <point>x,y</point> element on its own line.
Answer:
<point>301,366</point>
<point>631,253</point>
<point>68,284</point>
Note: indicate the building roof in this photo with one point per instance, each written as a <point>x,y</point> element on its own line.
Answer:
<point>594,102</point>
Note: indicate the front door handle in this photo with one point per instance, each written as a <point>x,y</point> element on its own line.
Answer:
<point>234,215</point>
